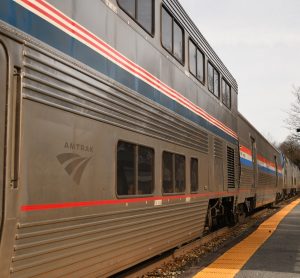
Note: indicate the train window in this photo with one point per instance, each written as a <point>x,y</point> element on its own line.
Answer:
<point>210,77</point>
<point>145,14</point>
<point>142,11</point>
<point>166,31</point>
<point>145,170</point>
<point>196,59</point>
<point>213,80</point>
<point>135,169</point>
<point>128,6</point>
<point>167,172</point>
<point>216,83</point>
<point>173,173</point>
<point>192,58</point>
<point>125,169</point>
<point>172,35</point>
<point>179,173</point>
<point>194,175</point>
<point>200,66</point>
<point>226,94</point>
<point>178,42</point>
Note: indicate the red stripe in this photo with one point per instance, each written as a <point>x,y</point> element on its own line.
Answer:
<point>124,201</point>
<point>158,83</point>
<point>245,150</point>
<point>266,161</point>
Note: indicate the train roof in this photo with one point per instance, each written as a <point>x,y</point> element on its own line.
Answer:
<point>175,7</point>
<point>262,136</point>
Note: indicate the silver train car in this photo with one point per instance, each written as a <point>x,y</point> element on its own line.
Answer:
<point>291,183</point>
<point>261,179</point>
<point>266,175</point>
<point>119,137</point>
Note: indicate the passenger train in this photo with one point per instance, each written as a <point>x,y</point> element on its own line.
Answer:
<point>120,137</point>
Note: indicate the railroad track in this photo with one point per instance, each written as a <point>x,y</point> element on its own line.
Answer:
<point>174,262</point>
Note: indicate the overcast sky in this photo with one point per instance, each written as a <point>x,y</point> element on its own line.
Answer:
<point>259,42</point>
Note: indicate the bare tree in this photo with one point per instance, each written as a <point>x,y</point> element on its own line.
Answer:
<point>291,149</point>
<point>293,120</point>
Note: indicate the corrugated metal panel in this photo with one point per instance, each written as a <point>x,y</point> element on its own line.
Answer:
<point>266,180</point>
<point>230,168</point>
<point>218,148</point>
<point>60,86</point>
<point>104,241</point>
<point>246,177</point>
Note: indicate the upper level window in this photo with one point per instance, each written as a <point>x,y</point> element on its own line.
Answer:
<point>196,61</point>
<point>142,11</point>
<point>213,80</point>
<point>173,173</point>
<point>226,94</point>
<point>172,35</point>
<point>135,169</point>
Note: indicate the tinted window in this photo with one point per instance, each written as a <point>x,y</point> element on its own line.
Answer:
<point>196,61</point>
<point>200,66</point>
<point>194,175</point>
<point>145,170</point>
<point>213,80</point>
<point>216,83</point>
<point>179,173</point>
<point>145,14</point>
<point>173,173</point>
<point>226,93</point>
<point>167,168</point>
<point>135,169</point>
<point>172,35</point>
<point>125,169</point>
<point>128,6</point>
<point>141,11</point>
<point>178,42</point>
<point>166,32</point>
<point>192,58</point>
<point>210,77</point>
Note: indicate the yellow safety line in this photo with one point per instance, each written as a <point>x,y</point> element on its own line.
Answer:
<point>231,262</point>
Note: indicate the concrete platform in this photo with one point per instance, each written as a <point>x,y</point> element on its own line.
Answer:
<point>279,256</point>
<point>271,251</point>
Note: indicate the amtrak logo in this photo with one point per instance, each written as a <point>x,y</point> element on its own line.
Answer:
<point>74,164</point>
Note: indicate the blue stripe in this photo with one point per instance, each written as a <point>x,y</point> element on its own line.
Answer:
<point>246,162</point>
<point>37,27</point>
<point>268,171</point>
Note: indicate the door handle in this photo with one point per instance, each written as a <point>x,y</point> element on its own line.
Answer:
<point>15,134</point>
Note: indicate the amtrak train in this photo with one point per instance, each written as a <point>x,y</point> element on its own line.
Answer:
<point>120,137</point>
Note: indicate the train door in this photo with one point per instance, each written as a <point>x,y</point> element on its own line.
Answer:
<point>254,161</point>
<point>3,90</point>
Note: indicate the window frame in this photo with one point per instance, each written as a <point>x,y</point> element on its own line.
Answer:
<point>136,170</point>
<point>174,192</point>
<point>223,80</point>
<point>152,34</point>
<point>203,64</point>
<point>214,69</point>
<point>183,35</point>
